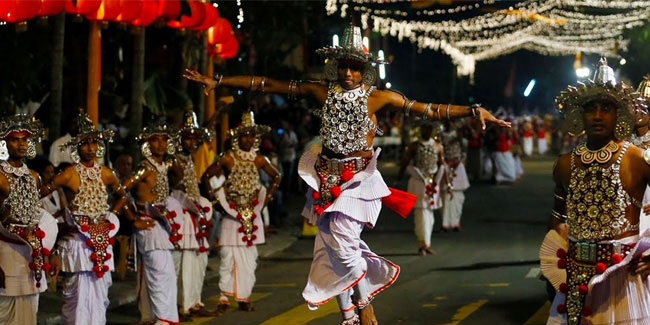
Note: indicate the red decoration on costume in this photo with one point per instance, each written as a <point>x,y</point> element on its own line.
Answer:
<point>45,251</point>
<point>108,256</point>
<point>206,210</point>
<point>561,253</point>
<point>96,268</point>
<point>600,267</point>
<point>564,288</point>
<point>336,191</point>
<point>400,201</point>
<point>586,311</point>
<point>84,228</point>
<point>244,238</point>
<point>316,208</point>
<point>250,243</point>
<point>561,263</point>
<point>346,175</point>
<point>240,229</point>
<point>231,205</point>
<point>255,227</point>
<point>99,274</point>
<point>315,195</point>
<point>616,258</point>
<point>256,202</point>
<point>35,252</point>
<point>238,215</point>
<point>40,234</point>
<point>202,249</point>
<point>561,308</point>
<point>105,268</point>
<point>253,216</point>
<point>93,256</point>
<point>173,239</point>
<point>111,241</point>
<point>583,289</point>
<point>47,266</point>
<point>111,226</point>
<point>179,236</point>
<point>32,266</point>
<point>89,242</point>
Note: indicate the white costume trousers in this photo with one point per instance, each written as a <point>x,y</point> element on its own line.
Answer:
<point>424,221</point>
<point>237,271</point>
<point>528,145</point>
<point>190,268</point>
<point>505,166</point>
<point>452,209</point>
<point>18,310</point>
<point>157,287</point>
<point>542,146</point>
<point>85,298</point>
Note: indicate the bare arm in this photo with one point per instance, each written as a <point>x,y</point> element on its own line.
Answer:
<point>273,172</point>
<point>394,100</point>
<point>59,180</point>
<point>118,191</point>
<point>258,83</point>
<point>558,214</point>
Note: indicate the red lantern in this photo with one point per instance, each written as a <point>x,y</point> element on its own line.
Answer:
<point>229,48</point>
<point>195,19</point>
<point>211,17</point>
<point>149,13</point>
<point>51,7</point>
<point>108,10</point>
<point>19,10</point>
<point>131,10</point>
<point>82,7</point>
<point>169,9</point>
<point>219,32</point>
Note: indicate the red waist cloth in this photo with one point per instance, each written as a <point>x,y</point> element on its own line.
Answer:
<point>399,201</point>
<point>541,134</point>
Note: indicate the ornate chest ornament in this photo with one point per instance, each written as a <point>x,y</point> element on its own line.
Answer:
<point>189,182</point>
<point>601,156</point>
<point>344,120</point>
<point>642,142</point>
<point>242,188</point>
<point>426,162</point>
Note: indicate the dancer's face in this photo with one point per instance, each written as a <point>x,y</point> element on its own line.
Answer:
<point>189,143</point>
<point>88,150</point>
<point>350,73</point>
<point>426,131</point>
<point>246,141</point>
<point>17,144</point>
<point>600,119</point>
<point>158,145</point>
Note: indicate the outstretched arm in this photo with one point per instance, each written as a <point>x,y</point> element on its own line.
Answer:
<point>259,83</point>
<point>439,112</point>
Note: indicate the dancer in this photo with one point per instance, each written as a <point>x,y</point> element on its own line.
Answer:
<point>593,254</point>
<point>422,160</point>
<point>191,260</point>
<point>158,222</point>
<point>453,196</point>
<point>27,231</point>
<point>641,139</point>
<point>542,143</point>
<point>345,188</point>
<point>86,251</point>
<point>504,161</point>
<point>242,197</point>
<point>527,138</point>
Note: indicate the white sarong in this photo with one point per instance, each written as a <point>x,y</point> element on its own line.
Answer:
<point>85,298</point>
<point>505,165</point>
<point>452,209</point>
<point>157,286</point>
<point>237,271</point>
<point>18,310</point>
<point>542,145</point>
<point>424,220</point>
<point>190,270</point>
<point>528,145</point>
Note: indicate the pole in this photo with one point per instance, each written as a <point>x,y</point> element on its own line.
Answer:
<point>94,71</point>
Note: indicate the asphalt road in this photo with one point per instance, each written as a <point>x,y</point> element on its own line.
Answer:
<point>486,274</point>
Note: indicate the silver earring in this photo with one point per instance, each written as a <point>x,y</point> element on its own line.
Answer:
<point>74,155</point>
<point>146,151</point>
<point>171,148</point>
<point>369,75</point>
<point>101,150</point>
<point>4,152</point>
<point>331,72</point>
<point>31,149</point>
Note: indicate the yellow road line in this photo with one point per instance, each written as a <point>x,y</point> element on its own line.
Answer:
<point>465,311</point>
<point>276,285</point>
<point>429,305</point>
<point>541,316</point>
<point>213,300</point>
<point>302,315</point>
<point>489,285</point>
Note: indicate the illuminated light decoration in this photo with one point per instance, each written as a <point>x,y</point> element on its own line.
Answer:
<point>51,7</point>
<point>388,85</point>
<point>382,67</point>
<point>82,7</point>
<point>547,27</point>
<point>622,61</point>
<point>240,15</point>
<point>196,17</point>
<point>582,72</point>
<point>131,10</point>
<point>108,10</point>
<point>169,9</point>
<point>149,13</point>
<point>229,48</point>
<point>219,32</point>
<point>15,11</point>
<point>529,88</point>
<point>335,40</point>
<point>366,44</point>
<point>211,17</point>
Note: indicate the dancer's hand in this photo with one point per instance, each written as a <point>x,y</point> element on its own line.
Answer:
<point>641,266</point>
<point>55,265</point>
<point>646,209</point>
<point>208,83</point>
<point>143,223</point>
<point>485,116</point>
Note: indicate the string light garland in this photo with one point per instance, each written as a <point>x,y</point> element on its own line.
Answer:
<point>548,27</point>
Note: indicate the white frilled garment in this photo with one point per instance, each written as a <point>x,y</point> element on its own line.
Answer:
<point>342,261</point>
<point>616,296</point>
<point>85,298</point>
<point>505,167</point>
<point>158,236</point>
<point>230,235</point>
<point>75,254</point>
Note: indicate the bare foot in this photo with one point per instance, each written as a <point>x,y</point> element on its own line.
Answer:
<point>367,315</point>
<point>246,306</point>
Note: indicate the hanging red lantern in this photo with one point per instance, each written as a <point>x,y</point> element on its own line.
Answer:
<point>149,13</point>
<point>51,7</point>
<point>108,10</point>
<point>14,11</point>
<point>219,31</point>
<point>211,17</point>
<point>196,17</point>
<point>169,9</point>
<point>229,48</point>
<point>82,7</point>
<point>131,10</point>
